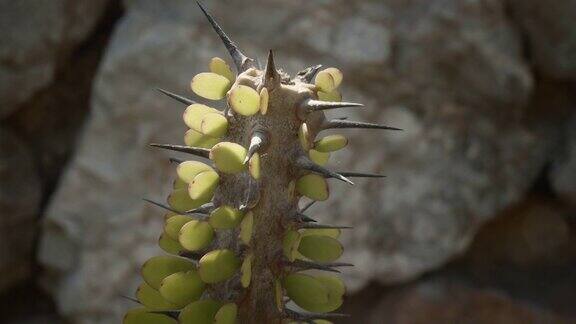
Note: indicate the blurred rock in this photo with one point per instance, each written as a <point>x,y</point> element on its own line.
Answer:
<point>451,73</point>
<point>37,37</point>
<point>446,301</point>
<point>533,233</point>
<point>20,194</point>
<point>550,31</point>
<point>563,171</point>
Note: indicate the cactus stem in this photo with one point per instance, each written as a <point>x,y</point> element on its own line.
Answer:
<point>312,105</point>
<point>176,97</point>
<point>306,164</point>
<point>339,123</point>
<point>201,152</point>
<point>241,61</point>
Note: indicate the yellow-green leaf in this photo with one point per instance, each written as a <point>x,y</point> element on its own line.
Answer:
<point>320,158</point>
<point>331,232</point>
<point>179,183</point>
<point>151,299</point>
<point>264,98</point>
<point>290,244</point>
<point>219,66</point>
<point>196,235</point>
<point>244,100</point>
<point>320,248</point>
<point>187,170</point>
<point>218,265</point>
<point>225,217</point>
<point>254,166</point>
<point>336,290</point>
<point>333,96</point>
<point>336,74</point>
<point>173,225</point>
<point>180,200</point>
<point>246,270</point>
<point>228,157</point>
<point>160,267</point>
<point>146,316</point>
<point>194,113</point>
<point>330,143</point>
<point>278,294</point>
<point>196,139</point>
<point>325,81</point>
<point>203,185</point>
<point>182,288</point>
<point>304,136</point>
<point>169,245</point>
<point>210,85</point>
<point>246,228</point>
<point>214,125</point>
<point>305,290</point>
<point>199,312</point>
<point>313,186</point>
<point>226,314</point>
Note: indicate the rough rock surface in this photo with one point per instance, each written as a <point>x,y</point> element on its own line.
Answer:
<point>20,194</point>
<point>451,73</point>
<point>37,36</point>
<point>550,30</point>
<point>442,301</point>
<point>563,172</point>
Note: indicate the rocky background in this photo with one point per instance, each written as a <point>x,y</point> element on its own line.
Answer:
<point>475,223</point>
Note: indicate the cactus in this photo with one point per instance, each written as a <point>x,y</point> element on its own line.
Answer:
<point>240,248</point>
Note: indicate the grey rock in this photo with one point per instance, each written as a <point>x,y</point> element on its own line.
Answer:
<point>20,194</point>
<point>550,31</point>
<point>37,37</point>
<point>563,171</point>
<point>451,73</point>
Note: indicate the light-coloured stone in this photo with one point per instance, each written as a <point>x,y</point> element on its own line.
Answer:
<point>38,37</point>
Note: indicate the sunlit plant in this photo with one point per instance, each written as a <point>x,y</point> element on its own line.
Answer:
<point>240,248</point>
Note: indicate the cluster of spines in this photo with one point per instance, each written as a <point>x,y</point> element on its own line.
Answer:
<point>186,286</point>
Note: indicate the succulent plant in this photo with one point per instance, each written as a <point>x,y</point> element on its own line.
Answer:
<point>240,248</point>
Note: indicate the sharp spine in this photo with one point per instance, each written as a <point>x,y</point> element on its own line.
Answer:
<point>362,175</point>
<point>306,164</point>
<point>241,61</point>
<point>308,205</point>
<point>339,123</point>
<point>271,75</point>
<point>307,265</point>
<point>175,160</point>
<point>308,74</point>
<point>176,97</point>
<point>198,151</point>
<point>312,105</point>
<point>204,209</point>
<point>305,218</point>
<point>257,142</point>
<point>155,203</point>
